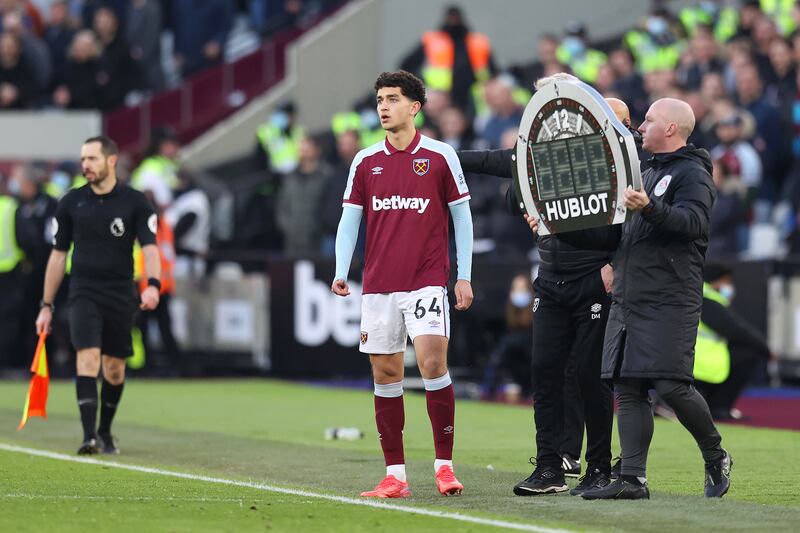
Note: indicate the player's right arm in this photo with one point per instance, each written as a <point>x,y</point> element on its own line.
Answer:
<point>56,264</point>
<point>347,232</point>
<point>346,238</point>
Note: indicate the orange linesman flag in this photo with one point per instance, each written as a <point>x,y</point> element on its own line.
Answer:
<point>36,402</point>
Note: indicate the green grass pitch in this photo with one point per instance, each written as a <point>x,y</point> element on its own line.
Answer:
<point>249,435</point>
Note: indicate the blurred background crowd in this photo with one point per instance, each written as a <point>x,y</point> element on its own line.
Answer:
<point>735,62</point>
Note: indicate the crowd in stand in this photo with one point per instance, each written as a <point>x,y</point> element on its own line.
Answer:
<point>736,65</point>
<point>100,54</point>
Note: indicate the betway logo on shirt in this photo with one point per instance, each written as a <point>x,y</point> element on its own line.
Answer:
<point>398,202</point>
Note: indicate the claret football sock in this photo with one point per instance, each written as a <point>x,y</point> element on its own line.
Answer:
<point>441,411</point>
<point>390,418</point>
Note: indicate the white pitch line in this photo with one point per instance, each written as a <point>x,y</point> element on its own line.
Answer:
<point>21,496</point>
<point>282,490</point>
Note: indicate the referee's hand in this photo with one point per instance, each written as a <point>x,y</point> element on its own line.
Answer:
<point>44,320</point>
<point>150,299</point>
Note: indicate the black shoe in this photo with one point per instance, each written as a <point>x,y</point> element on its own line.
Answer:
<point>570,466</point>
<point>543,480</point>
<point>616,469</point>
<point>108,443</point>
<point>718,477</point>
<point>89,447</point>
<point>618,490</point>
<point>594,479</point>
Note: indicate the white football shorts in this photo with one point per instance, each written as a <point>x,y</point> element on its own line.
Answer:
<point>388,319</point>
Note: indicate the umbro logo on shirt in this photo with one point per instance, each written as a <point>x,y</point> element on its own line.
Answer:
<point>376,170</point>
<point>398,202</point>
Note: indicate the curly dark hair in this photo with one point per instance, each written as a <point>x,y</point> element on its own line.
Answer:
<point>410,85</point>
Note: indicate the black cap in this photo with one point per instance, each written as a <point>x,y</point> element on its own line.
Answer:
<point>575,27</point>
<point>715,271</point>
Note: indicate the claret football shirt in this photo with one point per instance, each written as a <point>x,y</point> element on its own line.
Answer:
<point>405,196</point>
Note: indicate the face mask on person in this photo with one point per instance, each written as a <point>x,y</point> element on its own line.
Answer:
<point>61,180</point>
<point>370,119</point>
<point>573,45</point>
<point>727,291</point>
<point>656,25</point>
<point>280,120</point>
<point>520,299</point>
<point>13,188</point>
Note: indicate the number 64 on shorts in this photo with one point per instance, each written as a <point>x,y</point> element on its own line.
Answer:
<point>388,319</point>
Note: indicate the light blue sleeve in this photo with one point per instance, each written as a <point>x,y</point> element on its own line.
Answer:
<point>462,224</point>
<point>346,238</point>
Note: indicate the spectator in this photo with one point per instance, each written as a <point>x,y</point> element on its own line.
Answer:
<point>288,15</point>
<point>34,51</point>
<point>574,51</point>
<point>37,209</point>
<point>456,130</point>
<point>117,73</point>
<point>18,88</point>
<point>700,137</point>
<point>300,200</point>
<point>654,42</point>
<point>605,79</point>
<point>727,346</point>
<point>347,146</point>
<point>771,140</point>
<point>504,112</point>
<point>159,170</point>
<point>76,84</point>
<point>453,59</point>
<point>189,215</point>
<point>546,62</point>
<point>749,13</point>
<point>748,164</point>
<point>784,85</point>
<point>201,31</point>
<point>511,357</point>
<point>702,58</point>
<point>764,33</point>
<point>58,35</point>
<point>278,141</point>
<point>628,83</point>
<point>143,33</point>
<point>729,211</point>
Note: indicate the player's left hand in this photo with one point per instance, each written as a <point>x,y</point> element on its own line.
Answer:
<point>150,299</point>
<point>635,200</point>
<point>533,222</point>
<point>463,294</point>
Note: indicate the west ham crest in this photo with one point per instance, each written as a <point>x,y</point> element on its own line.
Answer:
<point>363,337</point>
<point>421,166</point>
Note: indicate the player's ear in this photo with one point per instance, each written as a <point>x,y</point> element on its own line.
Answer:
<point>415,108</point>
<point>112,160</point>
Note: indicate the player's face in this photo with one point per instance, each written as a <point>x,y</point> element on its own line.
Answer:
<point>94,164</point>
<point>395,110</point>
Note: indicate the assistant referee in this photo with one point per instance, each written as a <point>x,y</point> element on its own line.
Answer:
<point>101,220</point>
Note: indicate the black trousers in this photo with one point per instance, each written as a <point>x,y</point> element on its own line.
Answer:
<point>570,321</point>
<point>572,443</point>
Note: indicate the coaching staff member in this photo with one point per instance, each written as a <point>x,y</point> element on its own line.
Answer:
<point>101,219</point>
<point>657,298</point>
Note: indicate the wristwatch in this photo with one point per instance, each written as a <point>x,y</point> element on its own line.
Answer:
<point>46,304</point>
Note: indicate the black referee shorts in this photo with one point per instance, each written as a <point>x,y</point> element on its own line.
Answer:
<point>96,321</point>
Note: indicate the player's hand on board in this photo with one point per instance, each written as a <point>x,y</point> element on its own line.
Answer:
<point>463,295</point>
<point>533,222</point>
<point>340,287</point>
<point>150,299</point>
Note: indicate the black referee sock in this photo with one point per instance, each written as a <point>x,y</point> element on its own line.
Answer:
<point>87,404</point>
<point>109,399</point>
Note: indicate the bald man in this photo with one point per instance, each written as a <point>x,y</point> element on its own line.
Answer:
<point>571,309</point>
<point>658,293</point>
